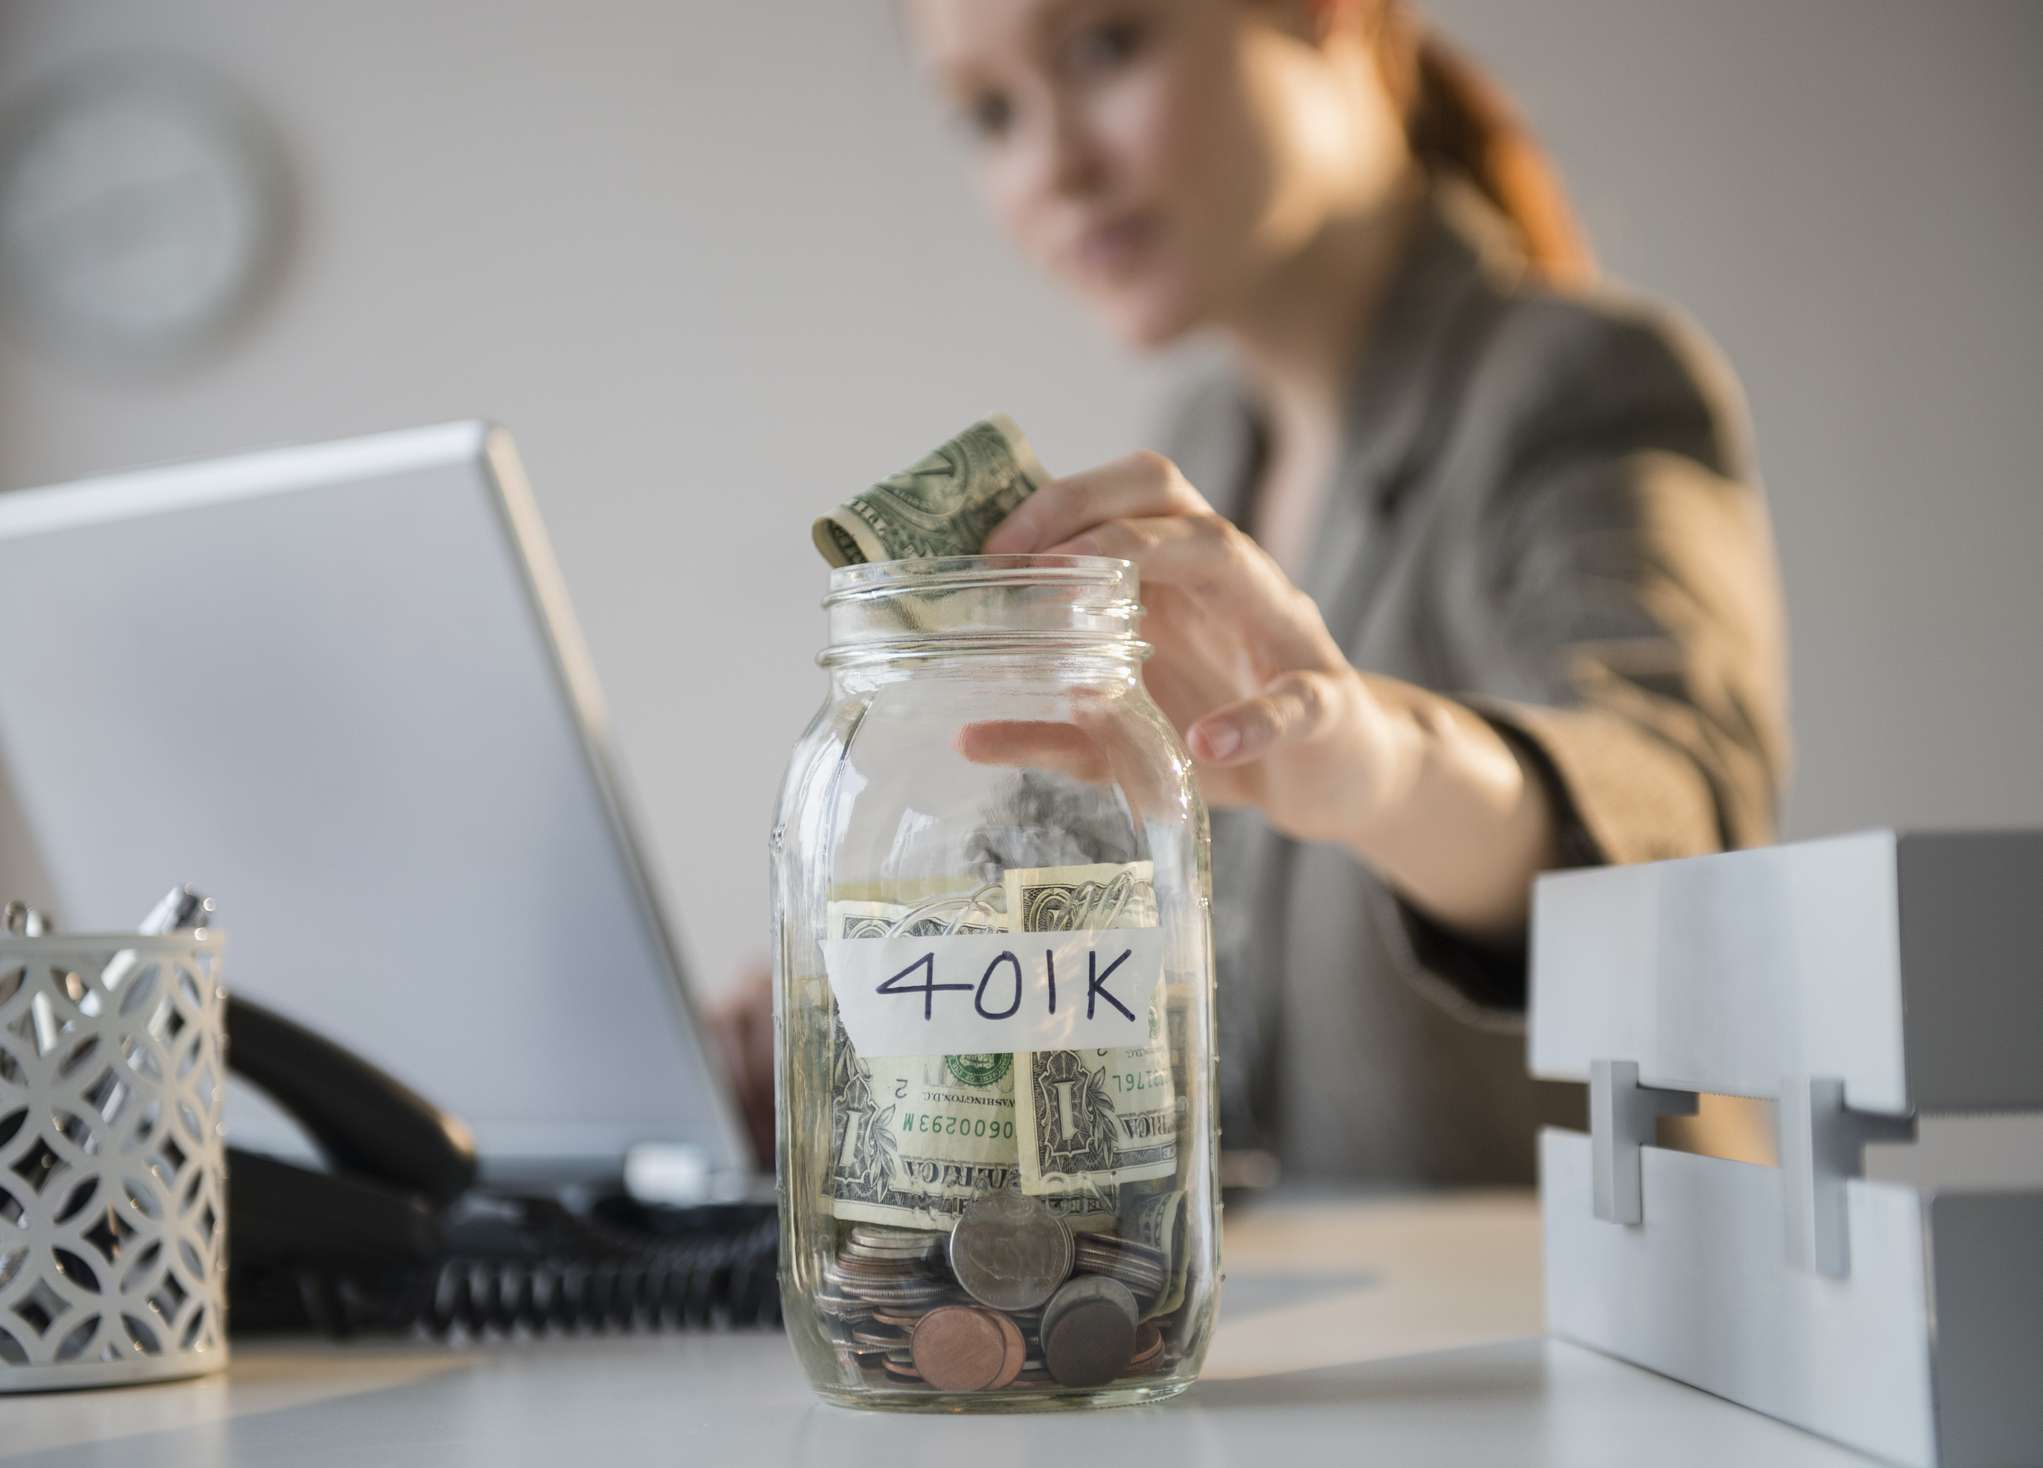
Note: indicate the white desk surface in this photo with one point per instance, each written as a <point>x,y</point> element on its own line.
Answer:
<point>1396,1331</point>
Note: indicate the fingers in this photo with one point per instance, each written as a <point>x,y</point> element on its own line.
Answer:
<point>1034,744</point>
<point>1295,708</point>
<point>1140,485</point>
<point>1220,567</point>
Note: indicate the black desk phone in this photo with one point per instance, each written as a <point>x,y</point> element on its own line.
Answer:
<point>396,1235</point>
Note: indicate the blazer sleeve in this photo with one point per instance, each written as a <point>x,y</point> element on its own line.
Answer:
<point>1611,604</point>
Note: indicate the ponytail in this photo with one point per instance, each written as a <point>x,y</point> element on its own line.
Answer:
<point>1458,121</point>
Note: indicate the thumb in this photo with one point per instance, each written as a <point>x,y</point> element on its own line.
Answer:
<point>1292,708</point>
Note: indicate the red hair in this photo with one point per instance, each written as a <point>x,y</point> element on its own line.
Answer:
<point>1457,120</point>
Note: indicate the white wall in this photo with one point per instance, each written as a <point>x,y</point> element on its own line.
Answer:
<point>714,265</point>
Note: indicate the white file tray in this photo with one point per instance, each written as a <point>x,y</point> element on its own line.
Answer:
<point>1861,983</point>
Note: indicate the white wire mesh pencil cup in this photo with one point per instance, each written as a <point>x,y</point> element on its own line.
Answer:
<point>113,1166</point>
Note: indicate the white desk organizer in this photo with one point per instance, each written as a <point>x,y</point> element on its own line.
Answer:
<point>1860,983</point>
<point>113,1169</point>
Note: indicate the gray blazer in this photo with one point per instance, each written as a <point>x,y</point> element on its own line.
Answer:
<point>1545,507</point>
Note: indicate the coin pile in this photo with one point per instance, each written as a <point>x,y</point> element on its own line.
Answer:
<point>1011,1296</point>
<point>882,1271</point>
<point>1137,1266</point>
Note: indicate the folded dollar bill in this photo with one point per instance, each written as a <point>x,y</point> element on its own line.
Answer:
<point>945,504</point>
<point>1087,1121</point>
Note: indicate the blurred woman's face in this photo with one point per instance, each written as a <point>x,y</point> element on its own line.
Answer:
<point>1163,157</point>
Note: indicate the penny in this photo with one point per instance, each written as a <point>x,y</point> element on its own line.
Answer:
<point>1148,1347</point>
<point>1017,1352</point>
<point>1010,1251</point>
<point>960,1349</point>
<point>1089,1331</point>
<point>863,1348</point>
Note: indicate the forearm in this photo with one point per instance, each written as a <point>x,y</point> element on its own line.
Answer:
<point>1465,826</point>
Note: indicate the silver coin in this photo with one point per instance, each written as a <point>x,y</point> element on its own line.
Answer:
<point>1010,1251</point>
<point>884,1257</point>
<point>850,1266</point>
<point>1118,1257</point>
<point>1141,1250</point>
<point>1132,1272</point>
<point>878,1236</point>
<point>1108,1244</point>
<point>906,1299</point>
<point>1120,1249</point>
<point>875,1231</point>
<point>1142,1284</point>
<point>868,1289</point>
<point>865,1285</point>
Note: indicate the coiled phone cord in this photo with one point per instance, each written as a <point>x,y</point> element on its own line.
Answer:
<point>531,1266</point>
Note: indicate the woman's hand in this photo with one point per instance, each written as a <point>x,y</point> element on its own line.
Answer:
<point>1244,665</point>
<point>1276,717</point>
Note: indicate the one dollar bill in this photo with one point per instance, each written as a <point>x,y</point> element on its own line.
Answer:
<point>1090,1120</point>
<point>914,1138</point>
<point>1157,1221</point>
<point>945,504</point>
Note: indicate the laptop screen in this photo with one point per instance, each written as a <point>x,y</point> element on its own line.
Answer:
<point>337,690</point>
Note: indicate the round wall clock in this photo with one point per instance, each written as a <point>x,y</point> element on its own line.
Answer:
<point>141,209</point>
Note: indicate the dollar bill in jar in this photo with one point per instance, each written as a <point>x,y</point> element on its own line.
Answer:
<point>914,1138</point>
<point>1088,1121</point>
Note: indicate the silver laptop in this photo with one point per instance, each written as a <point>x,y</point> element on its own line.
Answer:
<point>339,690</point>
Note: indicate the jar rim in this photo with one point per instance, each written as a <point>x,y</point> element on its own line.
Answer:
<point>954,573</point>
<point>952,606</point>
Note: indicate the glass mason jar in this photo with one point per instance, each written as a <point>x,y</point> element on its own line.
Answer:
<point>993,1001</point>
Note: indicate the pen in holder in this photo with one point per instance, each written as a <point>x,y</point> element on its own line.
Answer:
<point>113,1199</point>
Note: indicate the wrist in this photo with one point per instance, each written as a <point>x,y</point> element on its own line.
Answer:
<point>1410,769</point>
<point>1462,824</point>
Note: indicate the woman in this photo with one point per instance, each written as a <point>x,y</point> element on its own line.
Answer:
<point>1458,575</point>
